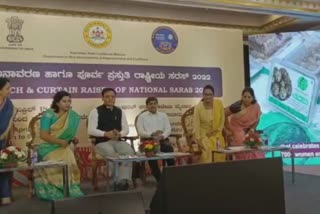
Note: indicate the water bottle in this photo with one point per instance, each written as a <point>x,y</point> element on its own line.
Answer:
<point>218,144</point>
<point>34,157</point>
<point>265,140</point>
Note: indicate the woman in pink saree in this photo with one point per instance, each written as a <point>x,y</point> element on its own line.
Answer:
<point>242,117</point>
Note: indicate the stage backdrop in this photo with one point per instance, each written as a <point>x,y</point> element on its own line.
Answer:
<point>42,54</point>
<point>285,72</point>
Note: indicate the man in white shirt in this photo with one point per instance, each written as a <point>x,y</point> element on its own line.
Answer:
<point>107,123</point>
<point>153,124</point>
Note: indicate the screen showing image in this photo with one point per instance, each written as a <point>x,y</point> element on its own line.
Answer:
<point>285,74</point>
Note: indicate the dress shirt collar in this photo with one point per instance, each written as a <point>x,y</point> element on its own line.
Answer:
<point>150,113</point>
<point>109,107</point>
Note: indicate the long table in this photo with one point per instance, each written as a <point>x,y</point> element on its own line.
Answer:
<point>42,165</point>
<point>265,149</point>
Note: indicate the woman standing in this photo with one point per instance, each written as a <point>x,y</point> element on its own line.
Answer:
<point>208,122</point>
<point>58,127</point>
<point>242,117</point>
<point>7,113</point>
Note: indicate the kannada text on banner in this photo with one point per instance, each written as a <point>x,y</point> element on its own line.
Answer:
<point>43,80</point>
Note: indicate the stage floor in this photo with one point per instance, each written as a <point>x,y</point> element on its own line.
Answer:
<point>301,198</point>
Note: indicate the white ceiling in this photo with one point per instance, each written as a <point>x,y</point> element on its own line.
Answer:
<point>206,12</point>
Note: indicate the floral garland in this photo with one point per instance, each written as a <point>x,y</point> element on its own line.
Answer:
<point>12,154</point>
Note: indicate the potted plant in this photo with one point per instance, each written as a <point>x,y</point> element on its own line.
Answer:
<point>149,147</point>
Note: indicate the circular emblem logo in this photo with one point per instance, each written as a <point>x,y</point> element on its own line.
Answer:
<point>302,83</point>
<point>164,40</point>
<point>97,34</point>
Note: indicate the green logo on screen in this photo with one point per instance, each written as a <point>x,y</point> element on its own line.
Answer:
<point>302,83</point>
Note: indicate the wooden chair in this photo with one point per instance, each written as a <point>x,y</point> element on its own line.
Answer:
<point>97,161</point>
<point>88,158</point>
<point>34,128</point>
<point>187,126</point>
<point>83,161</point>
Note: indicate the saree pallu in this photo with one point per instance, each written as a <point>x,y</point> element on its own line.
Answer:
<point>6,118</point>
<point>49,182</point>
<point>203,124</point>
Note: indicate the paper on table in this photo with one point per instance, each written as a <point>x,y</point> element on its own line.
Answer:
<point>267,147</point>
<point>171,154</point>
<point>236,148</point>
<point>164,154</point>
<point>49,162</point>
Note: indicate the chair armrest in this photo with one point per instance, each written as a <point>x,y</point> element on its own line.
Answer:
<point>188,135</point>
<point>29,144</point>
<point>92,141</point>
<point>131,138</point>
<point>175,135</point>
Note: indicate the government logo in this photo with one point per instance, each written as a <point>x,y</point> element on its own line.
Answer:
<point>164,40</point>
<point>14,24</point>
<point>97,34</point>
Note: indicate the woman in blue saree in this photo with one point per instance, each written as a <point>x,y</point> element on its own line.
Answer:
<point>58,127</point>
<point>7,113</point>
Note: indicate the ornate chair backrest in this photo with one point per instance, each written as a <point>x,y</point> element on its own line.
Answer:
<point>92,139</point>
<point>82,133</point>
<point>136,120</point>
<point>186,142</point>
<point>187,123</point>
<point>34,128</point>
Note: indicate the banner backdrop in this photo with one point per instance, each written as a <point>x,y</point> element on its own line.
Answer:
<point>43,80</point>
<point>42,54</point>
